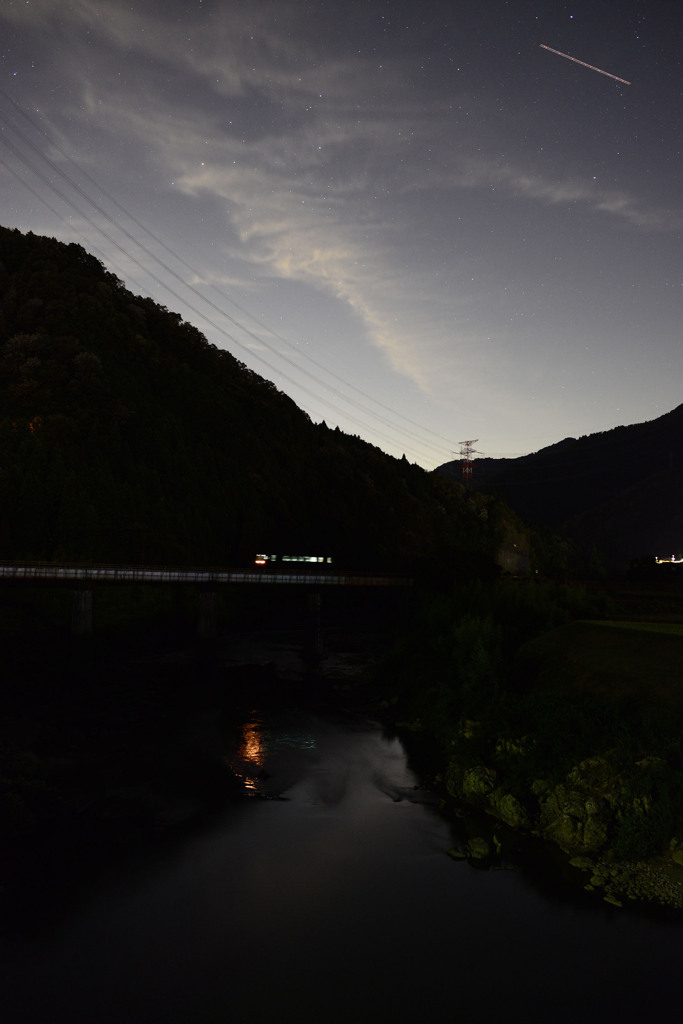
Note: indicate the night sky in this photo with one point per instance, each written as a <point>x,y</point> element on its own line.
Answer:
<point>420,224</point>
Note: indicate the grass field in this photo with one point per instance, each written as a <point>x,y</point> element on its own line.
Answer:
<point>613,658</point>
<point>670,628</point>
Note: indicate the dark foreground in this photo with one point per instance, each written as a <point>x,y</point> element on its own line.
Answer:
<point>315,885</point>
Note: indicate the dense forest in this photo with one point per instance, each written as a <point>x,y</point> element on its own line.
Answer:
<point>126,437</point>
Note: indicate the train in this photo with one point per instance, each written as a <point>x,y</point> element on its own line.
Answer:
<point>293,562</point>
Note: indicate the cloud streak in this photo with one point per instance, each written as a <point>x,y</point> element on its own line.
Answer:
<point>373,167</point>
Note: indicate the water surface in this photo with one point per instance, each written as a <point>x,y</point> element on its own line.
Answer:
<point>326,893</point>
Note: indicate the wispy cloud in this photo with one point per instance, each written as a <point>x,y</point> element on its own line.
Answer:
<point>322,157</point>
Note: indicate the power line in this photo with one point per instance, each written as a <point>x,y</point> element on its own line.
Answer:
<point>193,270</point>
<point>169,270</point>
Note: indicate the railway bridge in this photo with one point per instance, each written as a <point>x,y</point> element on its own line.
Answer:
<point>84,578</point>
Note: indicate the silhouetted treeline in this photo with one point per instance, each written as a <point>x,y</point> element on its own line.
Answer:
<point>126,436</point>
<point>617,494</point>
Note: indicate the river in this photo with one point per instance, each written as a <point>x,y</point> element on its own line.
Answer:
<point>323,891</point>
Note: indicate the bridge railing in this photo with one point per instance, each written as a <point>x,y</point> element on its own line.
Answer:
<point>176,574</point>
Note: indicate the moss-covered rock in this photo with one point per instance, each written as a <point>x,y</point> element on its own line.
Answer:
<point>508,808</point>
<point>478,782</point>
<point>478,848</point>
<point>592,814</point>
<point>578,813</point>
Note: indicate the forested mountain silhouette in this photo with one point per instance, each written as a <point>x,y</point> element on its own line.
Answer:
<point>126,436</point>
<point>617,494</point>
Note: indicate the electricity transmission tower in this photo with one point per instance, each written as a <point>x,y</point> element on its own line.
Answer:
<point>467,450</point>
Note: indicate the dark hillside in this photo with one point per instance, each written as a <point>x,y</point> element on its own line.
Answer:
<point>619,491</point>
<point>126,436</point>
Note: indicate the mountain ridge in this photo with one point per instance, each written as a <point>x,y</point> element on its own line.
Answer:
<point>617,491</point>
<point>125,436</point>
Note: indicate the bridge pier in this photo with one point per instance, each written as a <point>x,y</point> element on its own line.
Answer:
<point>82,612</point>
<point>207,614</point>
<point>315,628</point>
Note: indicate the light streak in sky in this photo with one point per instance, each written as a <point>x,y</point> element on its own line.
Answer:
<point>583,64</point>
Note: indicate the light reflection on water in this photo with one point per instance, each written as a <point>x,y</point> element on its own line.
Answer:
<point>250,754</point>
<point>259,742</point>
<point>339,904</point>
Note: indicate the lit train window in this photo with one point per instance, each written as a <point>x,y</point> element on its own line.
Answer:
<point>261,559</point>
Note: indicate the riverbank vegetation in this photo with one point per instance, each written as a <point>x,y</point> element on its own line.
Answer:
<point>554,716</point>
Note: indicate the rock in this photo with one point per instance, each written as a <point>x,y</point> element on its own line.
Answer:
<point>577,814</point>
<point>582,863</point>
<point>594,834</point>
<point>583,815</point>
<point>677,855</point>
<point>508,808</point>
<point>478,848</point>
<point>478,782</point>
<point>565,831</point>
